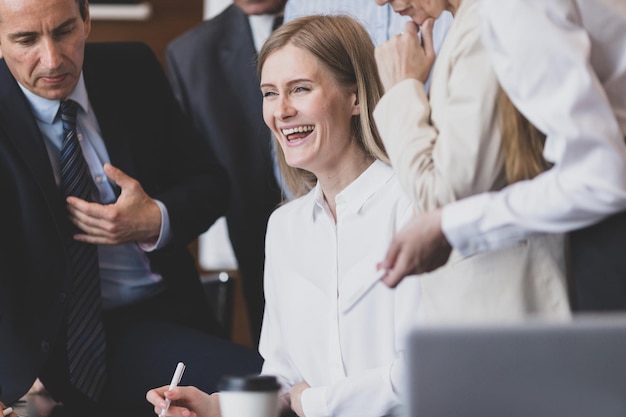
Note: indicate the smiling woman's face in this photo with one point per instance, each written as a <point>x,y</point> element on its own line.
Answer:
<point>307,110</point>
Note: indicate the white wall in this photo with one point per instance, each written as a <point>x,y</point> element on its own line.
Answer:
<point>213,7</point>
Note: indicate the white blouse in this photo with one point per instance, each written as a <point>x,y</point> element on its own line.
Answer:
<point>316,328</point>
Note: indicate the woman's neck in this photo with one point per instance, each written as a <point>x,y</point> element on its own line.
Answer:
<point>334,182</point>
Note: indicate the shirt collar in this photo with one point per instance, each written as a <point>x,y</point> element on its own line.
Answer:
<point>46,110</point>
<point>356,194</point>
<point>261,27</point>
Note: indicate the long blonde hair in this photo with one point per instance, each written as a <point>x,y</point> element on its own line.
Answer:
<point>344,47</point>
<point>522,143</point>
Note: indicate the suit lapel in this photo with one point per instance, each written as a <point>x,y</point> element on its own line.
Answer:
<point>17,119</point>
<point>239,61</point>
<point>113,121</point>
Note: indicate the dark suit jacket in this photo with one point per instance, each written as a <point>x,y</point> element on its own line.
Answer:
<point>598,267</point>
<point>212,69</point>
<point>147,137</point>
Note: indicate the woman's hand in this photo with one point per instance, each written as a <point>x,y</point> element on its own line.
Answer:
<point>4,407</point>
<point>404,56</point>
<point>185,402</point>
<point>295,396</point>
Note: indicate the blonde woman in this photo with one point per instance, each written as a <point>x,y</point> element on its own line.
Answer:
<point>332,333</point>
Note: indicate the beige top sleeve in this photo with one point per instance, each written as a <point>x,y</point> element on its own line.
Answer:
<point>449,147</point>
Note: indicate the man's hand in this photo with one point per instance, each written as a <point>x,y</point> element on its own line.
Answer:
<point>403,56</point>
<point>134,217</point>
<point>296,397</point>
<point>420,246</point>
<point>185,402</point>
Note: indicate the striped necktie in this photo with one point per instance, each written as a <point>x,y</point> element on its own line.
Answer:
<point>85,332</point>
<point>278,21</point>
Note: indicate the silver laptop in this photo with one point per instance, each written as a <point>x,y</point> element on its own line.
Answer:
<point>575,369</point>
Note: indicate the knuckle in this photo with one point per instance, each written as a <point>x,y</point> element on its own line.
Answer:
<point>110,228</point>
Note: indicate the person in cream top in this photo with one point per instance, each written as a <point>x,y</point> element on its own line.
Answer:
<point>458,141</point>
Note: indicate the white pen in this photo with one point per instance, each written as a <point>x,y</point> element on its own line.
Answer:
<point>178,374</point>
<point>365,287</point>
<point>7,411</point>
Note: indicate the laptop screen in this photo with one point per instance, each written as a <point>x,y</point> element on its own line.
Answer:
<point>535,369</point>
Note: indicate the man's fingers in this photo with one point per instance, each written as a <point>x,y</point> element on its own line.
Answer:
<point>96,227</point>
<point>93,240</point>
<point>116,175</point>
<point>392,279</point>
<point>395,263</point>
<point>403,267</point>
<point>391,255</point>
<point>76,207</point>
<point>84,220</point>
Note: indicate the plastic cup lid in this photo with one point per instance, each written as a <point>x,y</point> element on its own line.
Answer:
<point>249,383</point>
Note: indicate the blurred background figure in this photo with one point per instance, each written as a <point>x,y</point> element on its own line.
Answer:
<point>212,71</point>
<point>380,21</point>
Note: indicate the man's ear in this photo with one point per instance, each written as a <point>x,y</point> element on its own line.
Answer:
<point>87,19</point>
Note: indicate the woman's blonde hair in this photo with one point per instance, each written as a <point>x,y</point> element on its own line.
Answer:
<point>522,143</point>
<point>344,47</point>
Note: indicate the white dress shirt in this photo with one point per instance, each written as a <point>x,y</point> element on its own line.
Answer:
<point>313,330</point>
<point>563,64</point>
<point>261,26</point>
<point>381,22</point>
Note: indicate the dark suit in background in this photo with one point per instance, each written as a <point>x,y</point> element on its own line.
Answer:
<point>598,266</point>
<point>147,137</point>
<point>213,74</point>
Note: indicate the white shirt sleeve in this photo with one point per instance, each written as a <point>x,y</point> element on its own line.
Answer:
<point>542,56</point>
<point>368,394</point>
<point>165,233</point>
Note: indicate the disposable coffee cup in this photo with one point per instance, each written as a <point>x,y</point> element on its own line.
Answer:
<point>249,396</point>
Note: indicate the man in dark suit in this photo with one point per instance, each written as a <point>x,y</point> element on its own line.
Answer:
<point>153,186</point>
<point>212,71</point>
